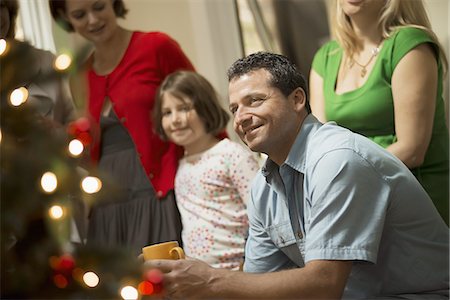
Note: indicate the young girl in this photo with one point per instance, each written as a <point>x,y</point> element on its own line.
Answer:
<point>212,184</point>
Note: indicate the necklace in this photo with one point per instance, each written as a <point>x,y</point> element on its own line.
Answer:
<point>374,52</point>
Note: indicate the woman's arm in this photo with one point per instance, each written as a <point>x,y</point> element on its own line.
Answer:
<point>414,88</point>
<point>316,97</point>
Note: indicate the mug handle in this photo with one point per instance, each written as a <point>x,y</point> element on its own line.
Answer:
<point>179,253</point>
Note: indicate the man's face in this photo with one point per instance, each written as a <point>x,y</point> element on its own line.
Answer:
<point>265,119</point>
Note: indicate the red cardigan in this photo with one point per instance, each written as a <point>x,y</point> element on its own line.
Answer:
<point>131,87</point>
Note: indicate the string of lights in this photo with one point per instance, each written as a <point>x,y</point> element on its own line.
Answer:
<point>40,177</point>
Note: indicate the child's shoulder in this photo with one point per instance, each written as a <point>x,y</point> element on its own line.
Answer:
<point>228,145</point>
<point>229,148</point>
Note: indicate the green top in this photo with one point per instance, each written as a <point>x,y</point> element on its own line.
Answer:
<point>369,110</point>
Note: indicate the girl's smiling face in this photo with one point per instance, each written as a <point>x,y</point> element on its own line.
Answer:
<point>181,123</point>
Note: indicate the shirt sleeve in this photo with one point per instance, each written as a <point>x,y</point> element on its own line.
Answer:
<point>407,39</point>
<point>320,60</point>
<point>51,97</point>
<point>349,199</point>
<point>171,57</point>
<point>68,111</point>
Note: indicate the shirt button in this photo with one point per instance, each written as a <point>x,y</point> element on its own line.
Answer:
<point>299,234</point>
<point>159,193</point>
<point>151,175</point>
<point>123,119</point>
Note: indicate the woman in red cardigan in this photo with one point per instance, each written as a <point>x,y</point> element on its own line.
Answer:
<point>123,74</point>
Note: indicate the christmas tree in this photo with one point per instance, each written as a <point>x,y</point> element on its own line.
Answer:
<point>40,182</point>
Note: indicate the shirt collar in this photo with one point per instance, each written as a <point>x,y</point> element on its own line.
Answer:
<point>296,158</point>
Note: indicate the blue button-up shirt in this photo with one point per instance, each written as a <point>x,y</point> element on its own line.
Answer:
<point>339,196</point>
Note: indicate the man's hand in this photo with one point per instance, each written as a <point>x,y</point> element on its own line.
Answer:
<point>184,278</point>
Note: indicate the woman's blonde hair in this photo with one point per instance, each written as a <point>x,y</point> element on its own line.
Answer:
<point>394,14</point>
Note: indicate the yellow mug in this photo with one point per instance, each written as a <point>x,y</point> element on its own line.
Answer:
<point>167,250</point>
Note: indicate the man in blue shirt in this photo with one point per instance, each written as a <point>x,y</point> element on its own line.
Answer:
<point>332,214</point>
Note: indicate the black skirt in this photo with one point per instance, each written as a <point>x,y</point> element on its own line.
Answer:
<point>134,216</point>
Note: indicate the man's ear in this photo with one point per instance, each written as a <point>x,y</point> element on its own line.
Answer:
<point>299,98</point>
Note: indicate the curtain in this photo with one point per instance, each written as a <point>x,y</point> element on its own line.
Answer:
<point>302,27</point>
<point>35,20</point>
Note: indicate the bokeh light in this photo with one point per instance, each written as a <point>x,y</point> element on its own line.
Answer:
<point>75,147</point>
<point>78,274</point>
<point>145,288</point>
<point>62,62</point>
<point>60,281</point>
<point>56,212</point>
<point>63,264</point>
<point>155,276</point>
<point>49,182</point>
<point>53,262</point>
<point>3,46</point>
<point>18,96</point>
<point>91,184</point>
<point>129,293</point>
<point>91,279</point>
<point>1,136</point>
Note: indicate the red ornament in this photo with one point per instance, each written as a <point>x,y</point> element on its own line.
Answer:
<point>155,276</point>
<point>85,138</point>
<point>60,281</point>
<point>80,130</point>
<point>146,288</point>
<point>83,124</point>
<point>63,267</point>
<point>66,263</point>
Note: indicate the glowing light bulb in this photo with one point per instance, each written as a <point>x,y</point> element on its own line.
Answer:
<point>3,46</point>
<point>75,147</point>
<point>129,293</point>
<point>91,279</point>
<point>60,281</point>
<point>91,184</point>
<point>62,62</point>
<point>56,212</point>
<point>18,96</point>
<point>146,288</point>
<point>49,182</point>
<point>1,136</point>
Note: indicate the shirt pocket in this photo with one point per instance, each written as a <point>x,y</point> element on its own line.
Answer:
<point>284,239</point>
